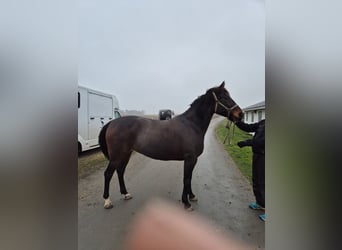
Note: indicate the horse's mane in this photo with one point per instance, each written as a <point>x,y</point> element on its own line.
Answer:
<point>197,104</point>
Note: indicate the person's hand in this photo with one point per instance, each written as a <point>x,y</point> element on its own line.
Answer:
<point>164,226</point>
<point>241,144</point>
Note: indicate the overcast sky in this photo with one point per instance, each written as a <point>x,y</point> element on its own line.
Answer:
<point>155,54</point>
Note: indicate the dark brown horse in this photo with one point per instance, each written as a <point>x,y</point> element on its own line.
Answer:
<point>180,138</point>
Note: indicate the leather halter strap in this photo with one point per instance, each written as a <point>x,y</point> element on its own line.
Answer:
<point>217,102</point>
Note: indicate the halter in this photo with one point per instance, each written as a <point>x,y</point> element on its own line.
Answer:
<point>217,101</point>
<point>230,140</point>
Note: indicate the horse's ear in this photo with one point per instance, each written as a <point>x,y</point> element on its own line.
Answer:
<point>222,84</point>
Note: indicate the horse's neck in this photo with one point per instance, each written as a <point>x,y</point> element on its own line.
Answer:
<point>200,115</point>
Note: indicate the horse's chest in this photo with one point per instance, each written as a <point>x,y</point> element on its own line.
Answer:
<point>199,148</point>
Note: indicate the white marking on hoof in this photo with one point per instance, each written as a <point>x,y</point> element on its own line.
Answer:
<point>189,209</point>
<point>193,198</point>
<point>127,196</point>
<point>108,204</point>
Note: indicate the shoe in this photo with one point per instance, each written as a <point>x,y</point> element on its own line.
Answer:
<point>262,217</point>
<point>256,206</point>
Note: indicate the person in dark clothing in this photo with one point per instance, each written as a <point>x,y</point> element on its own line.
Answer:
<point>258,163</point>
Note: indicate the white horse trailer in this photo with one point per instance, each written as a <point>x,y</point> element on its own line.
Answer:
<point>95,109</point>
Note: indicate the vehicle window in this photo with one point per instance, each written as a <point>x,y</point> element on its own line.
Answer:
<point>116,114</point>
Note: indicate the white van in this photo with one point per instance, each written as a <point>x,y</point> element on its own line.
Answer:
<point>95,109</point>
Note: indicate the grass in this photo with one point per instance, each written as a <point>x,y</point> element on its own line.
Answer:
<point>241,156</point>
<point>90,161</point>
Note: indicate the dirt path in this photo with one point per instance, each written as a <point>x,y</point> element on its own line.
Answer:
<point>222,191</point>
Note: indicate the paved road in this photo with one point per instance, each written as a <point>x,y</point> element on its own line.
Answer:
<point>222,191</point>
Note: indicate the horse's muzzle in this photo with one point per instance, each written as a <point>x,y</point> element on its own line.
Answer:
<point>236,115</point>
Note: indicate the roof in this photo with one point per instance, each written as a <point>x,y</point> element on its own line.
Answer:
<point>259,105</point>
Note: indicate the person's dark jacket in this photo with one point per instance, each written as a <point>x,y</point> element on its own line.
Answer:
<point>258,141</point>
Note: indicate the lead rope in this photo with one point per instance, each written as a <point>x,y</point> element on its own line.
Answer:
<point>230,138</point>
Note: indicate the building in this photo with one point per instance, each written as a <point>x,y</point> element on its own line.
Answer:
<point>254,113</point>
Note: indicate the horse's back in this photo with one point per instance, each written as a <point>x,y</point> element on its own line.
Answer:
<point>125,122</point>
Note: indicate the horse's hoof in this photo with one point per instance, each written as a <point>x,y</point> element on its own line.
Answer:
<point>193,198</point>
<point>127,196</point>
<point>108,204</point>
<point>188,208</point>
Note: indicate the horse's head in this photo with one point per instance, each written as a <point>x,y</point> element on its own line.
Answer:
<point>224,104</point>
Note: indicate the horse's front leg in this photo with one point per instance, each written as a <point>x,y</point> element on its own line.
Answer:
<point>189,164</point>
<point>192,196</point>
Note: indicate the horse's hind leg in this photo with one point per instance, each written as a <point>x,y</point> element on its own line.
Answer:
<point>108,174</point>
<point>121,171</point>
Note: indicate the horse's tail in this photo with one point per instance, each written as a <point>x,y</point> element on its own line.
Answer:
<point>102,140</point>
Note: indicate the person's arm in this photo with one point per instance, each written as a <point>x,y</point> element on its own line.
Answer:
<point>259,142</point>
<point>245,143</point>
<point>247,127</point>
<point>259,138</point>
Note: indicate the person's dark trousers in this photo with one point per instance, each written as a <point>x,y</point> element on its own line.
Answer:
<point>258,172</point>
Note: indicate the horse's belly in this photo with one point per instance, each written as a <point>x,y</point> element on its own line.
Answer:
<point>161,153</point>
<point>160,149</point>
<point>169,149</point>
